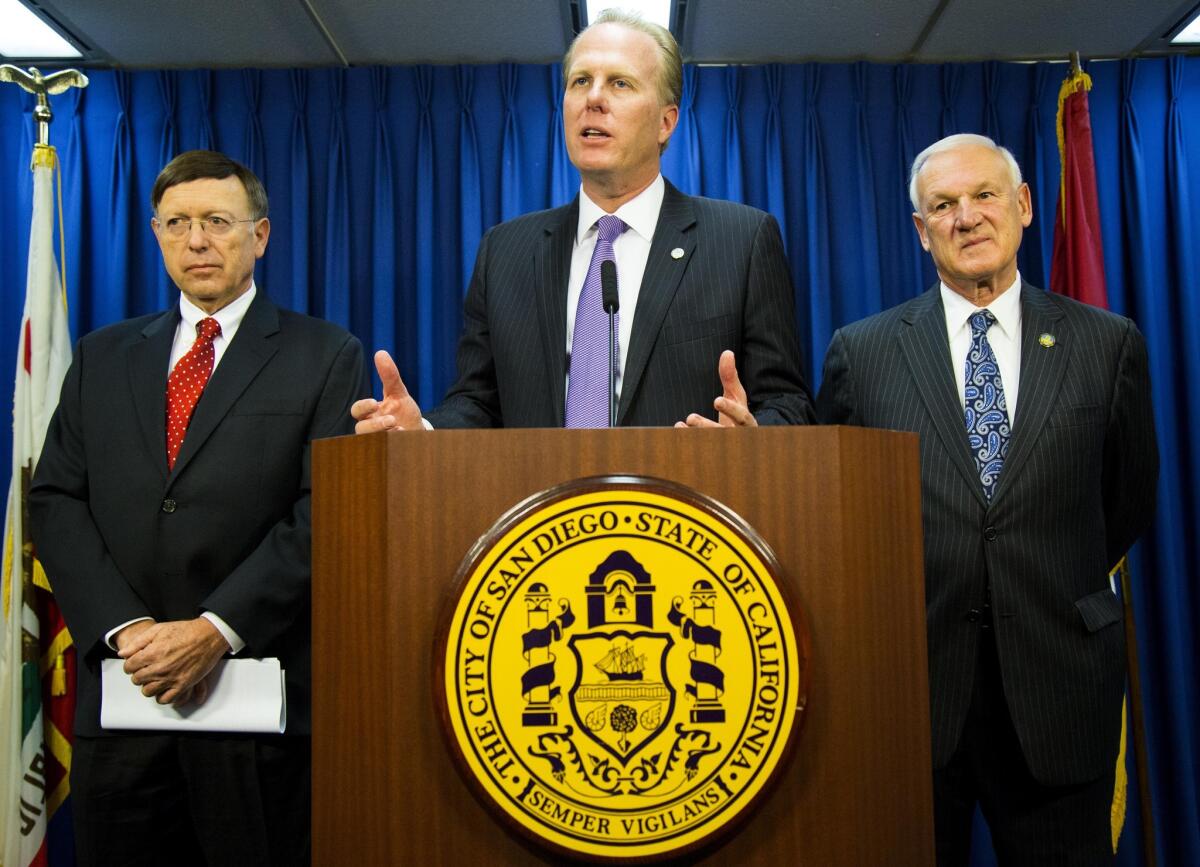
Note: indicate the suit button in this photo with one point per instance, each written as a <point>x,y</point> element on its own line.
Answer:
<point>169,505</point>
<point>990,534</point>
<point>973,615</point>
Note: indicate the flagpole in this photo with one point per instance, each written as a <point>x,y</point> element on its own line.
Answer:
<point>1138,716</point>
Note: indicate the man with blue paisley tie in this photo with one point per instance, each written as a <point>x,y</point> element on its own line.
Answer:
<point>1038,471</point>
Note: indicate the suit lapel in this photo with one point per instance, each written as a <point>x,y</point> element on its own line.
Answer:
<point>148,362</point>
<point>245,356</point>
<point>927,353</point>
<point>552,270</point>
<point>1042,369</point>
<point>661,279</point>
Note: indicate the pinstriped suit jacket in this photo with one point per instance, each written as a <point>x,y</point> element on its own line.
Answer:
<point>1076,490</point>
<point>730,290</point>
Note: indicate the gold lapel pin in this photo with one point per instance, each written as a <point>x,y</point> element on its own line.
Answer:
<point>677,253</point>
<point>1046,340</point>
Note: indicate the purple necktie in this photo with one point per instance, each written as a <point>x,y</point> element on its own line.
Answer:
<point>587,385</point>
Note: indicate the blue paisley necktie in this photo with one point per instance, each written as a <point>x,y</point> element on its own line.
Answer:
<point>986,412</point>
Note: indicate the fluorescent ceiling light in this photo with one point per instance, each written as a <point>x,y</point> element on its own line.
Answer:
<point>658,11</point>
<point>1190,32</point>
<point>26,35</point>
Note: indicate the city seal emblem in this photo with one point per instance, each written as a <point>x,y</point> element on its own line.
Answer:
<point>620,672</point>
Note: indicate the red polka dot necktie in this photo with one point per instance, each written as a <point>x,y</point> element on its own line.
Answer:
<point>186,384</point>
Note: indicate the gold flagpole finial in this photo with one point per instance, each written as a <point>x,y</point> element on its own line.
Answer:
<point>42,86</point>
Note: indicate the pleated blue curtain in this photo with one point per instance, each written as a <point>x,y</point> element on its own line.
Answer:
<point>511,190</point>
<point>869,276</point>
<point>122,220</point>
<point>335,289</point>
<point>73,174</point>
<point>382,180</point>
<point>564,179</point>
<point>991,118</point>
<point>425,231</point>
<point>470,209</point>
<point>733,139</point>
<point>1158,251</point>
<point>380,292</point>
<point>815,301</point>
<point>681,162</point>
<point>1177,563</point>
<point>298,210</point>
<point>24,189</point>
<point>1043,184</point>
<point>776,197</point>
<point>252,142</point>
<point>168,88</point>
<point>205,137</point>
<point>901,239</point>
<point>951,76</point>
<point>1183,147</point>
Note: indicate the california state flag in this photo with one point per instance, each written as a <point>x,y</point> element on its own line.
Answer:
<point>36,658</point>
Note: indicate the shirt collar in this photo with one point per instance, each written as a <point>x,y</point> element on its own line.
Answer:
<point>640,213</point>
<point>228,317</point>
<point>1006,307</point>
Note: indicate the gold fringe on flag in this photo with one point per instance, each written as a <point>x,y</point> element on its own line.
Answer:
<point>1121,788</point>
<point>1076,81</point>
<point>1120,578</point>
<point>54,662</point>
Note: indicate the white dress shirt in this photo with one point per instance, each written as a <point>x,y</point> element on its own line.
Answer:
<point>1004,338</point>
<point>631,250</point>
<point>229,318</point>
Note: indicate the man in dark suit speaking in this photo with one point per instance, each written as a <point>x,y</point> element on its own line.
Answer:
<point>171,510</point>
<point>1027,504</point>
<point>698,280</point>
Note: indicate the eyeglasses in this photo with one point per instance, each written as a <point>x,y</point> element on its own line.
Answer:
<point>214,226</point>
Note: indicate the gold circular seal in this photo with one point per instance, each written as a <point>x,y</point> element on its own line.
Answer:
<point>621,676</point>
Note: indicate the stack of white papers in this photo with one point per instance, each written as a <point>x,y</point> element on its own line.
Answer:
<point>244,695</point>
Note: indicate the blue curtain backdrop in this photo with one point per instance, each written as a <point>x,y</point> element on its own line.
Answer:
<point>382,180</point>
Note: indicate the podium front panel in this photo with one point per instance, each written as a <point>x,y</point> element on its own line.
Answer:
<point>393,517</point>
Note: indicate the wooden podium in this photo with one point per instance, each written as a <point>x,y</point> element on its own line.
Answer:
<point>393,516</point>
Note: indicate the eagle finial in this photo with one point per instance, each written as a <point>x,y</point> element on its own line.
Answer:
<point>34,82</point>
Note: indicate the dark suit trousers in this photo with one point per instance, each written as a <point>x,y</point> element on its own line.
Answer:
<point>201,799</point>
<point>1031,824</point>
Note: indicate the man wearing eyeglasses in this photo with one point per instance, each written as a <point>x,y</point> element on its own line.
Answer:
<point>170,509</point>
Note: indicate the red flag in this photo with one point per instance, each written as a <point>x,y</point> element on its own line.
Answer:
<point>1077,269</point>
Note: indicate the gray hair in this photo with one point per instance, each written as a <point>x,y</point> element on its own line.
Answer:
<point>670,62</point>
<point>951,142</point>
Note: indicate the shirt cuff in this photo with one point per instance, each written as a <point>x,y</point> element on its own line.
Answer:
<point>112,633</point>
<point>235,642</point>
<point>425,422</point>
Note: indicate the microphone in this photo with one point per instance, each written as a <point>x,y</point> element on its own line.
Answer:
<point>612,302</point>
<point>608,286</point>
